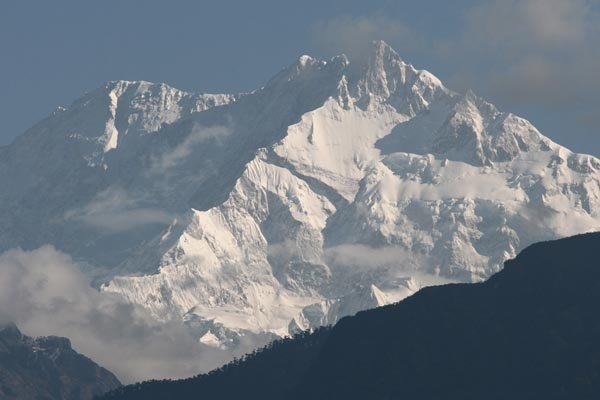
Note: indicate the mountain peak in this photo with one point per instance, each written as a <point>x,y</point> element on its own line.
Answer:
<point>10,332</point>
<point>381,75</point>
<point>378,75</point>
<point>380,51</point>
<point>305,59</point>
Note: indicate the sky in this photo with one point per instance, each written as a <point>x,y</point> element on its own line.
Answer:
<point>536,58</point>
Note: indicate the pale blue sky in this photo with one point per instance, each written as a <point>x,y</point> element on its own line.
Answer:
<point>537,58</point>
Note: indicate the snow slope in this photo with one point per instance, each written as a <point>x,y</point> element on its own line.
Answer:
<point>336,187</point>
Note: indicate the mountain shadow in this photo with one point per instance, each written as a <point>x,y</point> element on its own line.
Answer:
<point>532,331</point>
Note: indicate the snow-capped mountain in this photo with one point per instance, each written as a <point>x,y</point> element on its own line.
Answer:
<point>336,187</point>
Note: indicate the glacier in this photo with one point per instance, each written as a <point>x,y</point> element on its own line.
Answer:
<point>340,185</point>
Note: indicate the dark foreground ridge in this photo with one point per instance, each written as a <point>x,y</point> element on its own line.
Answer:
<point>47,368</point>
<point>532,331</point>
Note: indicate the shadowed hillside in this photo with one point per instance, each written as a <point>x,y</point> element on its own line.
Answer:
<point>47,368</point>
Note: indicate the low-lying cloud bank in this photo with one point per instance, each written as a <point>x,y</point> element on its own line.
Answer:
<point>44,293</point>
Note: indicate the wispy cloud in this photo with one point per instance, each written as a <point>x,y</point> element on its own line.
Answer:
<point>353,34</point>
<point>363,256</point>
<point>543,52</point>
<point>388,262</point>
<point>115,210</point>
<point>522,24</point>
<point>198,136</point>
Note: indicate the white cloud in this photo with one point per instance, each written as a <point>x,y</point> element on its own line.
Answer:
<point>44,293</point>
